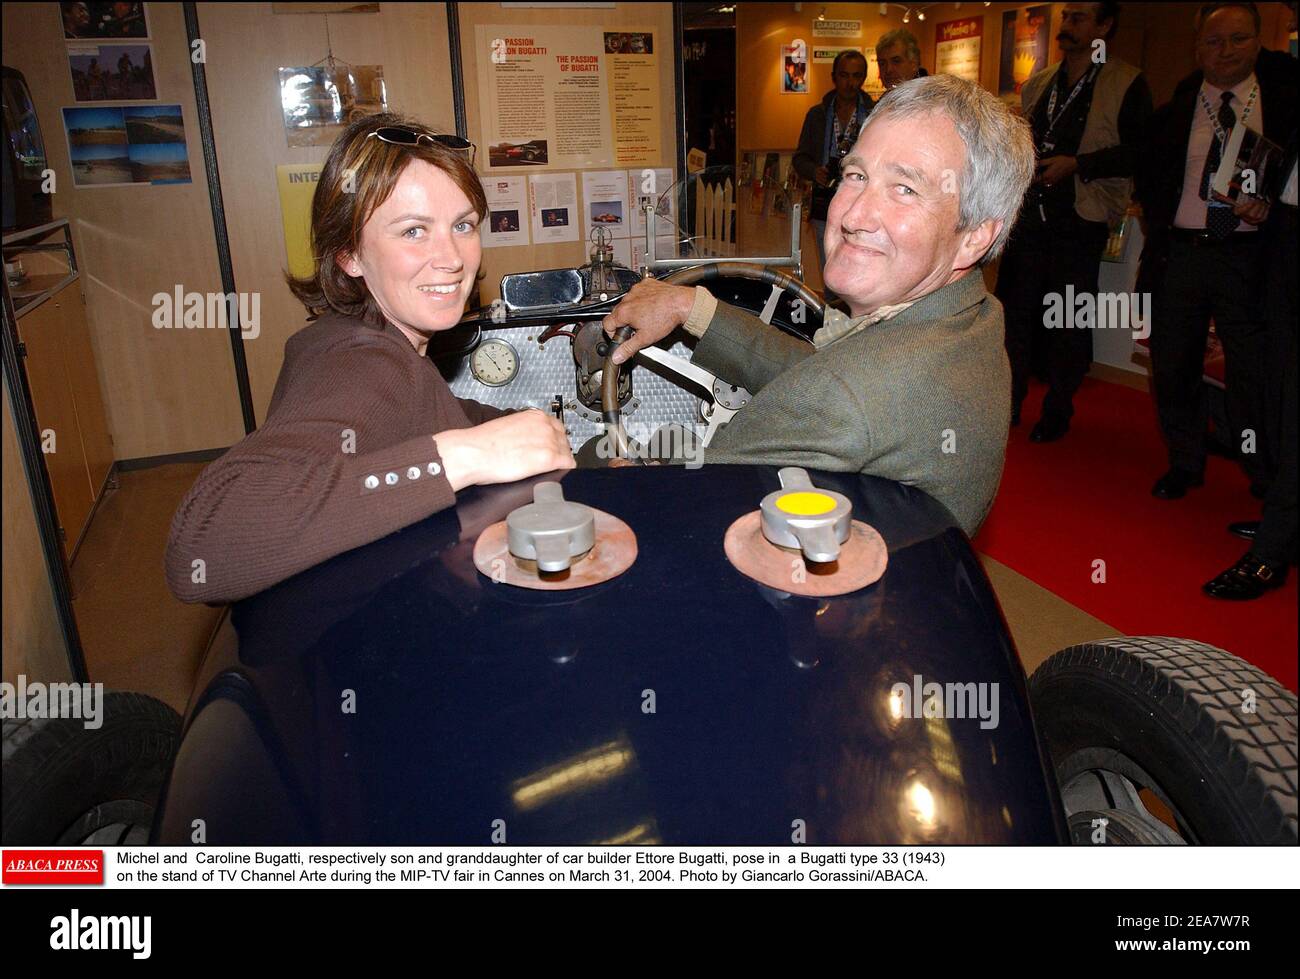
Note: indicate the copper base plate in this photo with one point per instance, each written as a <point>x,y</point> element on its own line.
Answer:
<point>613,553</point>
<point>862,560</point>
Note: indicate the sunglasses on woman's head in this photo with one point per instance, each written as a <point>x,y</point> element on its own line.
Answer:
<point>401,136</point>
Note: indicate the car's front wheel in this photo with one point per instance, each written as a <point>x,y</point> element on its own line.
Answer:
<point>1160,740</point>
<point>68,783</point>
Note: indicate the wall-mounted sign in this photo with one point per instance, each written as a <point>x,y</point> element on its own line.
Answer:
<point>957,48</point>
<point>837,28</point>
<point>874,86</point>
<point>297,183</point>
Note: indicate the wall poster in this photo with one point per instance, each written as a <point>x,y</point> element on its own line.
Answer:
<point>507,218</point>
<point>296,183</point>
<point>957,48</point>
<point>1026,36</point>
<point>554,207</point>
<point>794,68</point>
<point>568,98</point>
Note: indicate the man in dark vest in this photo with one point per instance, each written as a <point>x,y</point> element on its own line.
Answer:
<point>1089,117</point>
<point>829,131</point>
<point>1202,260</point>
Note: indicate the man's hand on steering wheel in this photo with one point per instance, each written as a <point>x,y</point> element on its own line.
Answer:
<point>653,309</point>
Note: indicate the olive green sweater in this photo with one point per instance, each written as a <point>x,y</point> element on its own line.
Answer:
<point>923,397</point>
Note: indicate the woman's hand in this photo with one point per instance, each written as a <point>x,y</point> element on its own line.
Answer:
<point>503,450</point>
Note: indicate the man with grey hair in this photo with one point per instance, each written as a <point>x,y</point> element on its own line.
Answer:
<point>913,385</point>
<point>899,58</point>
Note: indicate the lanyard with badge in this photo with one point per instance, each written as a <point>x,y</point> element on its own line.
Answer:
<point>1219,133</point>
<point>836,149</point>
<point>1047,144</point>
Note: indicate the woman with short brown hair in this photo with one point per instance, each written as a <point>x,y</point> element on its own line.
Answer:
<point>363,436</point>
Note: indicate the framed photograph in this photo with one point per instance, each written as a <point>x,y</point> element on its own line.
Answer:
<point>112,72</point>
<point>133,144</point>
<point>318,102</point>
<point>104,21</point>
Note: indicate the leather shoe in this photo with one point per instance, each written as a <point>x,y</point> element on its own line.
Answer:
<point>1245,529</point>
<point>1049,429</point>
<point>1174,484</point>
<point>1247,579</point>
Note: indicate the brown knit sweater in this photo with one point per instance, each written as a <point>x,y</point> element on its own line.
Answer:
<point>345,457</point>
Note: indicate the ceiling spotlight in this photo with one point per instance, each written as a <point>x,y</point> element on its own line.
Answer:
<point>920,15</point>
<point>907,16</point>
<point>822,15</point>
<point>884,10</point>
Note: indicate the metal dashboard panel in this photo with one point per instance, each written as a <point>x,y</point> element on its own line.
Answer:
<point>546,370</point>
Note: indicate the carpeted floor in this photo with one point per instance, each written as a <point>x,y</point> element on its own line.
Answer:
<point>1066,505</point>
<point>136,636</point>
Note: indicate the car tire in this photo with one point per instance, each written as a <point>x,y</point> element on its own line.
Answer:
<point>1172,716</point>
<point>65,784</point>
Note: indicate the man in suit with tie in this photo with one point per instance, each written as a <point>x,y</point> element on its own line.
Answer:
<point>1273,537</point>
<point>1203,257</point>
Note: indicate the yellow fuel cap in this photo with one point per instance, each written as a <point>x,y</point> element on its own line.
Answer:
<point>799,515</point>
<point>805,504</point>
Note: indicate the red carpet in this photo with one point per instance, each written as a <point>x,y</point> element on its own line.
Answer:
<point>1065,504</point>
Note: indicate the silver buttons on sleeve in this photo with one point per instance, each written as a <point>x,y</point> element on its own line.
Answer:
<point>374,481</point>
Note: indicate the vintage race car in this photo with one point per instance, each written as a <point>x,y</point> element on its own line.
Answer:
<point>398,694</point>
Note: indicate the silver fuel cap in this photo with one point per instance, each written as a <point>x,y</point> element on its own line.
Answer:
<point>550,530</point>
<point>801,516</point>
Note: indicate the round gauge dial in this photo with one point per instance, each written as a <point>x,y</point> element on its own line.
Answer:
<point>494,363</point>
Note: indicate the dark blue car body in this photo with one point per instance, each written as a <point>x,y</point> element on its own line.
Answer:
<point>395,696</point>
